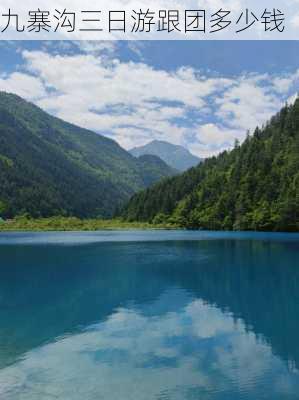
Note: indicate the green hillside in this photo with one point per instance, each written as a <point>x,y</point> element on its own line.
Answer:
<point>253,187</point>
<point>50,167</point>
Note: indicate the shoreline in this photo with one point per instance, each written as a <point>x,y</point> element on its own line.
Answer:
<point>73,224</point>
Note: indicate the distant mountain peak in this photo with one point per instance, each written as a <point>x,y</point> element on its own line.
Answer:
<point>177,157</point>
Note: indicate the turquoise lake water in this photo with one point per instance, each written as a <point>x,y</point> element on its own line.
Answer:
<point>153,315</point>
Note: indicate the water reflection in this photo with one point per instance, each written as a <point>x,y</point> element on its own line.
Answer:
<point>178,320</point>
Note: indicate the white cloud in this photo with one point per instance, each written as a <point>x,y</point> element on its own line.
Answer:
<point>213,139</point>
<point>284,84</point>
<point>131,355</point>
<point>119,83</point>
<point>134,103</point>
<point>292,98</point>
<point>24,85</point>
<point>248,104</point>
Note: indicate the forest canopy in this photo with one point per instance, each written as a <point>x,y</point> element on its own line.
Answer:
<point>255,186</point>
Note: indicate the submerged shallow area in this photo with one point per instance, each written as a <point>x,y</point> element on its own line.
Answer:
<point>149,315</point>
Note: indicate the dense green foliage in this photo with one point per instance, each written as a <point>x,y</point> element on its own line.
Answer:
<point>177,157</point>
<point>50,167</point>
<point>74,224</point>
<point>253,187</point>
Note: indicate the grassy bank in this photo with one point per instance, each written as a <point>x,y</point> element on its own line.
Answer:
<point>75,224</point>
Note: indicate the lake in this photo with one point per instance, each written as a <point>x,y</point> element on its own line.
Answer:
<point>149,315</point>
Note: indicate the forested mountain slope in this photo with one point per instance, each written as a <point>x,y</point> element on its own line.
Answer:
<point>253,187</point>
<point>50,167</point>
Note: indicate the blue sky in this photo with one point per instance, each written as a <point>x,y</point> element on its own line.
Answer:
<point>202,95</point>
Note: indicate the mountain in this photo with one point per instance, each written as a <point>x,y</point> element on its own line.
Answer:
<point>255,186</point>
<point>175,156</point>
<point>153,169</point>
<point>50,167</point>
